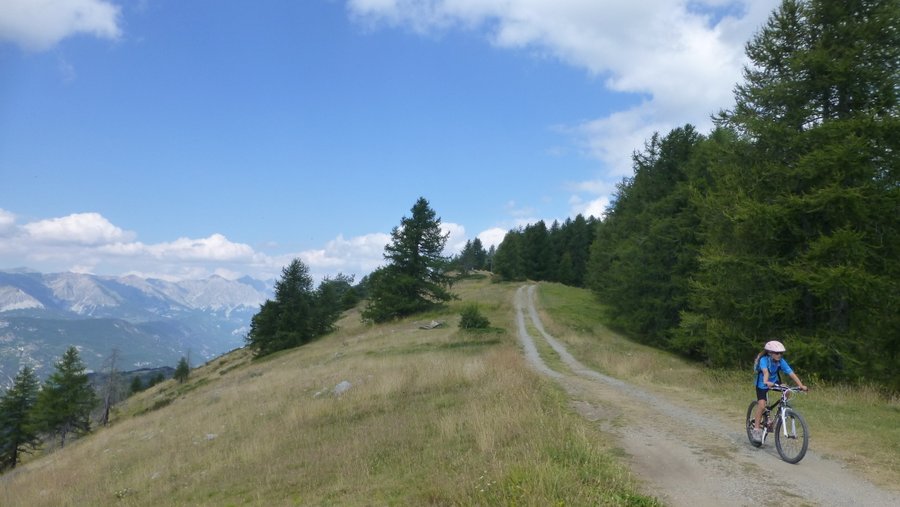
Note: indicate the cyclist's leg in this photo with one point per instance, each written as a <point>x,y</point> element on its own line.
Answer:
<point>761,400</point>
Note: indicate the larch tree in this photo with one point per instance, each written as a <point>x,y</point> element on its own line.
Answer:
<point>17,430</point>
<point>66,399</point>
<point>803,228</point>
<point>415,277</point>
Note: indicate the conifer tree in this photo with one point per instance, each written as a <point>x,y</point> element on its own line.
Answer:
<point>182,370</point>
<point>509,258</point>
<point>17,430</point>
<point>286,321</point>
<point>648,251</point>
<point>66,399</point>
<point>802,229</point>
<point>136,385</point>
<point>415,277</point>
<point>299,314</point>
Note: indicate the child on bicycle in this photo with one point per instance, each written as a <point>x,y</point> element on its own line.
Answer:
<point>769,363</point>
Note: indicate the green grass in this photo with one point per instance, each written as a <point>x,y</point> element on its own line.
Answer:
<point>433,417</point>
<point>857,425</point>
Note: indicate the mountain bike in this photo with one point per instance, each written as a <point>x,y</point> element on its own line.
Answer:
<point>789,427</point>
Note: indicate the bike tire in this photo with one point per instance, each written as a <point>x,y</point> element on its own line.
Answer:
<point>792,447</point>
<point>751,417</point>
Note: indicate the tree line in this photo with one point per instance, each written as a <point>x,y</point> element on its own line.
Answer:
<point>414,279</point>
<point>33,413</point>
<point>782,223</point>
<point>60,407</point>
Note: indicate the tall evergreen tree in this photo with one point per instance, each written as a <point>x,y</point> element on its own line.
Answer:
<point>66,399</point>
<point>540,261</point>
<point>415,278</point>
<point>182,370</point>
<point>803,229</point>
<point>472,257</point>
<point>479,254</point>
<point>332,297</point>
<point>509,259</point>
<point>643,261</point>
<point>17,430</point>
<point>298,314</point>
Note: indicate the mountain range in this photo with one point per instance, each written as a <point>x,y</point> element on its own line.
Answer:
<point>149,322</point>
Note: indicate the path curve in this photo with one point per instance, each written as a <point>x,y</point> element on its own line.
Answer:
<point>686,457</point>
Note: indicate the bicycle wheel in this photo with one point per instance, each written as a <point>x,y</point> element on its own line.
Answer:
<point>791,436</point>
<point>751,417</point>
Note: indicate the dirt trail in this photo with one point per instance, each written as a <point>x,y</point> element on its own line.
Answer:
<point>690,458</point>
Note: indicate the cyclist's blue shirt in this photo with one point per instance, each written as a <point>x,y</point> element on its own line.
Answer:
<point>774,367</point>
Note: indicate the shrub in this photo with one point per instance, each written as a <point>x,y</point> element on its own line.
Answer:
<point>472,318</point>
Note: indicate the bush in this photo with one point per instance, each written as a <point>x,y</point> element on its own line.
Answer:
<point>472,318</point>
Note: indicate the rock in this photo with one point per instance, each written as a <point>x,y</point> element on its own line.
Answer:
<point>342,387</point>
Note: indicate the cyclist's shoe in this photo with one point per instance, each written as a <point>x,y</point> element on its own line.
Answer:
<point>756,435</point>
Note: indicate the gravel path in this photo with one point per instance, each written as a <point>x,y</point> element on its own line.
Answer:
<point>690,458</point>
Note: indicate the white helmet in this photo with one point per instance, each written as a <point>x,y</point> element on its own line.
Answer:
<point>774,346</point>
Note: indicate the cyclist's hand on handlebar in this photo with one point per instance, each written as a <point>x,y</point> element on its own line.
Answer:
<point>803,388</point>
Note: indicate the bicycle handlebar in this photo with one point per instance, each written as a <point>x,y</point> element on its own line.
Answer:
<point>781,387</point>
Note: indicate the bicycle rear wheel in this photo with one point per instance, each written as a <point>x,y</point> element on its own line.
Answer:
<point>791,436</point>
<point>751,417</point>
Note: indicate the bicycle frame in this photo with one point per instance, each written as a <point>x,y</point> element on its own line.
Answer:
<point>768,422</point>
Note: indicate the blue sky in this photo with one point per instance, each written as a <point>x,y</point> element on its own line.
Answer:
<point>180,139</point>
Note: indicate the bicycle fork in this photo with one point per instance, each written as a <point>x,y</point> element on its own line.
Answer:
<point>771,422</point>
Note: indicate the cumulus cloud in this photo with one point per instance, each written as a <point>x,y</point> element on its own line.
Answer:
<point>358,255</point>
<point>82,228</point>
<point>492,237</point>
<point>7,220</point>
<point>38,25</point>
<point>456,240</point>
<point>89,243</point>
<point>213,248</point>
<point>680,60</point>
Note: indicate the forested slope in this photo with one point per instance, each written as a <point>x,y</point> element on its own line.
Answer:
<point>782,223</point>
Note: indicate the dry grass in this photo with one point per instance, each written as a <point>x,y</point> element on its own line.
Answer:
<point>439,417</point>
<point>857,425</point>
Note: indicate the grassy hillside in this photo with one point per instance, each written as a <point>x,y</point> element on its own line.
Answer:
<point>431,417</point>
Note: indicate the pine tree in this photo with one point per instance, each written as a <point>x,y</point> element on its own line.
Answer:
<point>415,278</point>
<point>509,259</point>
<point>649,246</point>
<point>136,385</point>
<point>803,233</point>
<point>182,370</point>
<point>299,314</point>
<point>286,321</point>
<point>66,399</point>
<point>17,431</point>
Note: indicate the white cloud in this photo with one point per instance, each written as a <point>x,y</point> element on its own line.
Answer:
<point>359,255</point>
<point>82,228</point>
<point>457,239</point>
<point>592,208</point>
<point>38,25</point>
<point>7,220</point>
<point>492,237</point>
<point>683,58</point>
<point>213,248</point>
<point>89,243</point>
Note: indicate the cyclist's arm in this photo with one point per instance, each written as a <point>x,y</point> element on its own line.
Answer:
<point>765,376</point>
<point>797,381</point>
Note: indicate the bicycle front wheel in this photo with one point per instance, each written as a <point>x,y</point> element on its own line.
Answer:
<point>751,417</point>
<point>791,436</point>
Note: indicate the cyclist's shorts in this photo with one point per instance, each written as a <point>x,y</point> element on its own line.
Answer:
<point>762,394</point>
